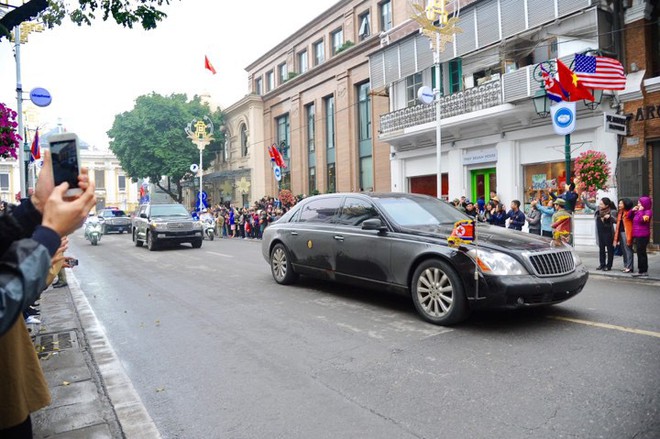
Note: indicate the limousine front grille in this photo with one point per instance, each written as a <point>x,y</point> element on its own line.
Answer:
<point>552,263</point>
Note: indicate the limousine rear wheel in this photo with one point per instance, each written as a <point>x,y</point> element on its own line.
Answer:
<point>280,265</point>
<point>437,293</point>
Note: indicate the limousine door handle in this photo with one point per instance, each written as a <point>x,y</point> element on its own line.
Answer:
<point>294,233</point>
<point>339,237</point>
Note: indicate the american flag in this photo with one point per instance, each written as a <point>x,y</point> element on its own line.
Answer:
<point>600,72</point>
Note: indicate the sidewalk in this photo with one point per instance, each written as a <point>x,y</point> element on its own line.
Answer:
<point>91,395</point>
<point>590,258</point>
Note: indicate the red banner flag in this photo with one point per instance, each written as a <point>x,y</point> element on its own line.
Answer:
<point>208,65</point>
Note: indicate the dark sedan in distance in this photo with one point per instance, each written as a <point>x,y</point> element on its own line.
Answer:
<point>398,242</point>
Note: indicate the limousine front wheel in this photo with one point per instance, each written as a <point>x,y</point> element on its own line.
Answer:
<point>437,293</point>
<point>280,265</point>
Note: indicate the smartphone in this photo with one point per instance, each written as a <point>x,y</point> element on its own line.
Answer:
<point>66,161</point>
<point>73,262</point>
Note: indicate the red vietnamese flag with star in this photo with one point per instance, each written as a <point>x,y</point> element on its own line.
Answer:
<point>571,84</point>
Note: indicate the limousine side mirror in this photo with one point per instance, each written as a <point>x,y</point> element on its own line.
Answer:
<point>374,224</point>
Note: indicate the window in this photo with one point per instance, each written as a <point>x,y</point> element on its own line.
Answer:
<point>311,127</point>
<point>337,40</point>
<point>244,141</point>
<point>330,122</point>
<point>319,53</point>
<point>654,52</point>
<point>282,72</point>
<point>355,211</point>
<point>332,177</point>
<point>365,26</point>
<point>270,81</point>
<point>320,211</point>
<point>385,15</point>
<point>4,182</point>
<point>413,83</point>
<point>259,86</point>
<point>99,179</point>
<point>121,183</point>
<point>434,82</point>
<point>364,137</point>
<point>455,73</point>
<point>312,180</point>
<point>302,62</point>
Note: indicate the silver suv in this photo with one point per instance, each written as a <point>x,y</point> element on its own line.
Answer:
<point>114,220</point>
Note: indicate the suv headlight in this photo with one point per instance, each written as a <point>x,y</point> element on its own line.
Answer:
<point>197,225</point>
<point>496,263</point>
<point>155,225</point>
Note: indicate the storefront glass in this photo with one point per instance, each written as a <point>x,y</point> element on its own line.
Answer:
<point>543,178</point>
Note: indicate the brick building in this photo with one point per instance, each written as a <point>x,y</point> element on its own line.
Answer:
<point>639,163</point>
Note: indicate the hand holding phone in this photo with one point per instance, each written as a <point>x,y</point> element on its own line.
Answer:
<point>65,162</point>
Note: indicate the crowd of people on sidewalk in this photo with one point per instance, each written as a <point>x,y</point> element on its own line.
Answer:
<point>32,245</point>
<point>243,222</point>
<point>624,229</point>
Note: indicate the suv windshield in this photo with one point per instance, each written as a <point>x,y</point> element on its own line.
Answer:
<point>169,210</point>
<point>112,213</point>
<point>409,212</point>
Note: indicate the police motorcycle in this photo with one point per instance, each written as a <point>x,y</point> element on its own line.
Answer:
<point>208,225</point>
<point>93,230</point>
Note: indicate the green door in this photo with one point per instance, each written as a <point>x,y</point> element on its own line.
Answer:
<point>483,181</point>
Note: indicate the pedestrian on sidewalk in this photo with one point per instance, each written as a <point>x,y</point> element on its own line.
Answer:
<point>605,216</point>
<point>623,234</point>
<point>562,221</point>
<point>534,218</point>
<point>29,238</point>
<point>547,212</point>
<point>641,231</point>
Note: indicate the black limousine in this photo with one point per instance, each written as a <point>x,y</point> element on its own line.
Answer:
<point>398,242</point>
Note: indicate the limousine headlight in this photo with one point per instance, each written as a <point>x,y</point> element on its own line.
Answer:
<point>496,263</point>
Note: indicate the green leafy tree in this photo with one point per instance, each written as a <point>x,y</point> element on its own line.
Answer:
<point>52,12</point>
<point>150,141</point>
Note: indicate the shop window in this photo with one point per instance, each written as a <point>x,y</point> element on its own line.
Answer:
<point>543,178</point>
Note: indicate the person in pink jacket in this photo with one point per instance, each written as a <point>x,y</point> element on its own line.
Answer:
<point>641,231</point>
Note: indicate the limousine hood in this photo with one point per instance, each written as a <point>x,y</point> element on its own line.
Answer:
<point>495,237</point>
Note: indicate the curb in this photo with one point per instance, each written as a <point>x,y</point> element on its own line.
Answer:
<point>133,417</point>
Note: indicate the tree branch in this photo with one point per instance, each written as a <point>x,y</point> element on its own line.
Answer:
<point>170,193</point>
<point>25,12</point>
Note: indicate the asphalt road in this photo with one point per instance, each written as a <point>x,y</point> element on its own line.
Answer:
<point>216,349</point>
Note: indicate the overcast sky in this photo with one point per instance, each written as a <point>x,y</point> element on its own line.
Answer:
<point>94,73</point>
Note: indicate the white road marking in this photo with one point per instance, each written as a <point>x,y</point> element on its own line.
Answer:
<point>607,326</point>
<point>220,254</point>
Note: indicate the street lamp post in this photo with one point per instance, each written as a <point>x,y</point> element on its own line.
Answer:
<point>201,134</point>
<point>435,24</point>
<point>23,158</point>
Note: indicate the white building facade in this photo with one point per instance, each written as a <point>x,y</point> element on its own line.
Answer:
<point>492,138</point>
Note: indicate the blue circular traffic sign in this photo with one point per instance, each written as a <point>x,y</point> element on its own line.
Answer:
<point>40,97</point>
<point>564,117</point>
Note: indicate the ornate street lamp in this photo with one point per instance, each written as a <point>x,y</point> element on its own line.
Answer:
<point>598,97</point>
<point>541,103</point>
<point>200,132</point>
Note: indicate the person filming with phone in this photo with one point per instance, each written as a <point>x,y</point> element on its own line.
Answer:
<point>29,238</point>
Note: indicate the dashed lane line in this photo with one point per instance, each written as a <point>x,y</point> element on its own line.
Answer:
<point>607,326</point>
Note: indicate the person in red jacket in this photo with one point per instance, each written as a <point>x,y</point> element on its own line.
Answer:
<point>641,231</point>
<point>623,234</point>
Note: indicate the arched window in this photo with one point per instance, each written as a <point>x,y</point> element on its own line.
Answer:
<point>244,141</point>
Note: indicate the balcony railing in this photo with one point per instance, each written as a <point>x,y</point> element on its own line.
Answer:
<point>484,96</point>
